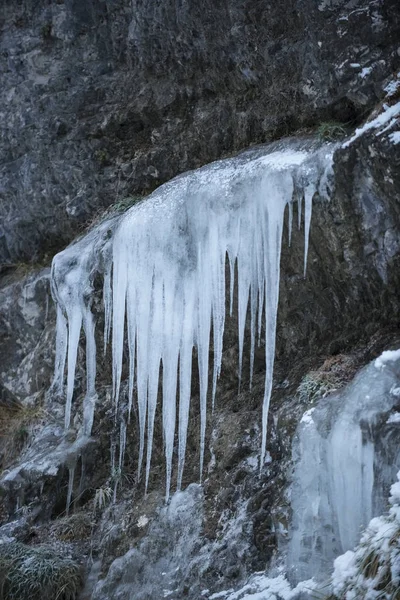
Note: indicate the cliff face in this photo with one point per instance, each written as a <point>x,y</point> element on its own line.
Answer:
<point>105,99</point>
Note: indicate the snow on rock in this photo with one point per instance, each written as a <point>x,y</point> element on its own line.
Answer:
<point>389,356</point>
<point>394,418</point>
<point>365,72</point>
<point>163,265</point>
<point>261,587</point>
<point>385,118</point>
<point>307,417</point>
<point>395,137</point>
<point>393,86</point>
<point>373,569</point>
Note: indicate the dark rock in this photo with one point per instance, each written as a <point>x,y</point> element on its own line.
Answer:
<point>103,99</point>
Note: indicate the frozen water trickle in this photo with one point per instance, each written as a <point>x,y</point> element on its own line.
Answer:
<point>345,462</point>
<point>164,280</point>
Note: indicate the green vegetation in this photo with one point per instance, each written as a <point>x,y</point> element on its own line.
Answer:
<point>118,208</point>
<point>102,498</point>
<point>74,527</point>
<point>16,424</point>
<point>331,131</point>
<point>124,204</point>
<point>45,31</point>
<point>102,157</point>
<point>315,385</point>
<point>37,573</point>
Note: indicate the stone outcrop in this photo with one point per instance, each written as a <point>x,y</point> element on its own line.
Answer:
<point>105,99</point>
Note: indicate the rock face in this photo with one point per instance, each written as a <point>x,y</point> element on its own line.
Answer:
<point>333,321</point>
<point>104,99</point>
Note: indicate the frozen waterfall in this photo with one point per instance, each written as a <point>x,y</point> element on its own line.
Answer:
<point>163,264</point>
<point>346,457</point>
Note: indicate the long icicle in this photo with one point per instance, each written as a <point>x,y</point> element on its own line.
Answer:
<point>166,285</point>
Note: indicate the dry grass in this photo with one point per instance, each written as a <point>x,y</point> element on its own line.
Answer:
<point>16,424</point>
<point>37,573</point>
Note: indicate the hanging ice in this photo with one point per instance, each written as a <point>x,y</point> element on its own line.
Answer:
<point>166,281</point>
<point>345,463</point>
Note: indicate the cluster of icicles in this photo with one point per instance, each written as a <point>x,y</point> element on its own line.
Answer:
<point>163,263</point>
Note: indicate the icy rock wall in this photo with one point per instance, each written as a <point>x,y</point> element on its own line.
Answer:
<point>346,457</point>
<point>164,276</point>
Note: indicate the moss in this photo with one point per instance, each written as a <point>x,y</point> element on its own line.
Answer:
<point>102,157</point>
<point>35,573</point>
<point>45,31</point>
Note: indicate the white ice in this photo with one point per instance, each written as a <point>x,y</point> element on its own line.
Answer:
<point>389,115</point>
<point>389,356</point>
<point>344,467</point>
<point>164,271</point>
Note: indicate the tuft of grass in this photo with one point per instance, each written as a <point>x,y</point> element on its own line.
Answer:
<point>123,205</point>
<point>37,573</point>
<point>102,498</point>
<point>313,386</point>
<point>16,423</point>
<point>331,131</point>
<point>45,31</point>
<point>74,527</point>
<point>114,209</point>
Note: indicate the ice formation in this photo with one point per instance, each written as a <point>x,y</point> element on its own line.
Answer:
<point>372,570</point>
<point>345,462</point>
<point>164,264</point>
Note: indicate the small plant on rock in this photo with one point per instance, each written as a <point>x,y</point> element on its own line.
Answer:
<point>331,131</point>
<point>102,497</point>
<point>37,573</point>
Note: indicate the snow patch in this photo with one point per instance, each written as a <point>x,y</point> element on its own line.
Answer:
<point>307,417</point>
<point>395,137</point>
<point>365,72</point>
<point>387,357</point>
<point>261,587</point>
<point>394,418</point>
<point>389,113</point>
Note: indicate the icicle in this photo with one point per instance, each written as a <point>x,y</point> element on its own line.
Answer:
<point>107,299</point>
<point>72,275</point>
<point>120,279</point>
<point>156,341</point>
<point>185,378</point>
<point>299,203</point>
<point>122,444</point>
<point>203,343</point>
<point>243,300</point>
<point>71,476</point>
<point>253,312</point>
<point>281,189</point>
<point>61,350</point>
<point>231,282</point>
<point>74,330</point>
<point>308,196</point>
<point>290,224</point>
<point>218,311</point>
<point>164,266</point>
